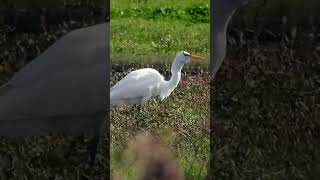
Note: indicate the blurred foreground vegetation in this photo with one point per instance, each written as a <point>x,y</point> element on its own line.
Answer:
<point>25,34</point>
<point>266,114</point>
<point>265,100</point>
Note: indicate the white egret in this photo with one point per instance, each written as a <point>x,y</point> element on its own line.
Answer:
<point>140,85</point>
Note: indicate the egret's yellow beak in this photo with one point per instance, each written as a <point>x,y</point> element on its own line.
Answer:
<point>196,58</point>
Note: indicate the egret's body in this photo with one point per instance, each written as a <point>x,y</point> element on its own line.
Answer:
<point>148,78</point>
<point>140,85</point>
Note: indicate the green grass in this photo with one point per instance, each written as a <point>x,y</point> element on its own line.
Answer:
<point>158,29</point>
<point>123,4</point>
<point>159,40</point>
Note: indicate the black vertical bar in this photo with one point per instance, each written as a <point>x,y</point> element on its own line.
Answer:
<point>211,103</point>
<point>107,12</point>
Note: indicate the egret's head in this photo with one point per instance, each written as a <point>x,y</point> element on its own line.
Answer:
<point>184,57</point>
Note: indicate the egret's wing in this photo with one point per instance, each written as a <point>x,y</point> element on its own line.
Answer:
<point>137,76</point>
<point>135,86</point>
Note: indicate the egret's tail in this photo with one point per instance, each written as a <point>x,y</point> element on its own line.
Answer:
<point>114,101</point>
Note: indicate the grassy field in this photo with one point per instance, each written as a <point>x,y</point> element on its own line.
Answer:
<point>148,34</point>
<point>143,31</point>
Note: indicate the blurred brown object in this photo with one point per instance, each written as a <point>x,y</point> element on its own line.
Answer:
<point>151,159</point>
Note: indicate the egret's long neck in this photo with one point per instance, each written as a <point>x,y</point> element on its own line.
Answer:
<point>176,74</point>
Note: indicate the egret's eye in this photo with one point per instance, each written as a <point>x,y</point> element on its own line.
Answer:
<point>186,53</point>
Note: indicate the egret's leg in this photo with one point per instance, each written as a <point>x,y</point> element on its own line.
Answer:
<point>134,108</point>
<point>143,101</point>
<point>154,100</point>
<point>136,112</point>
<point>140,108</point>
<point>140,111</point>
<point>144,115</point>
<point>137,108</point>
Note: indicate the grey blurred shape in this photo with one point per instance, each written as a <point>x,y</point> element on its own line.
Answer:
<point>223,11</point>
<point>64,89</point>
